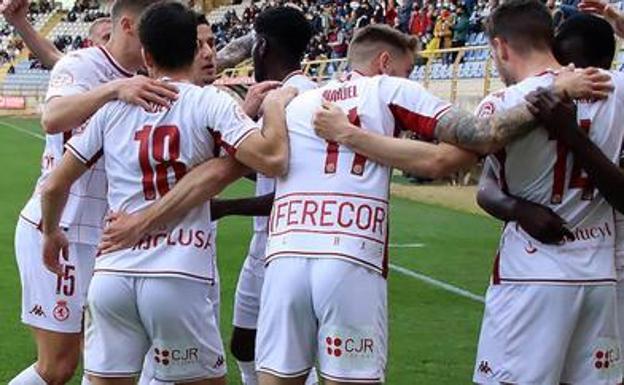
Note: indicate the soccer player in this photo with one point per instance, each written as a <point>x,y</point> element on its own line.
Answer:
<point>550,309</point>
<point>81,82</point>
<point>145,152</point>
<point>585,41</point>
<point>282,36</point>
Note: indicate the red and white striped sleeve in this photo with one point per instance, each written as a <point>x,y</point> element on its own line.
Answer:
<point>412,106</point>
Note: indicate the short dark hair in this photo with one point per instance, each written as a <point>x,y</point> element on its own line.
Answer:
<point>586,41</point>
<point>168,31</point>
<point>200,18</point>
<point>365,39</point>
<point>136,7</point>
<point>287,29</point>
<point>524,24</point>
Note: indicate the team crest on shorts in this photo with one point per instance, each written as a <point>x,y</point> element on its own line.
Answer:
<point>350,348</point>
<point>61,311</point>
<point>606,358</point>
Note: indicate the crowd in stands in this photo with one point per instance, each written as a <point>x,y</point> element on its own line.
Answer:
<point>436,23</point>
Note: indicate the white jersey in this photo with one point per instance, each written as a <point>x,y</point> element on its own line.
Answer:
<point>619,229</point>
<point>265,185</point>
<point>333,203</point>
<point>543,171</point>
<point>76,73</point>
<point>144,155</point>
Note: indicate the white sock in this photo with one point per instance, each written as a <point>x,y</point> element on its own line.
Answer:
<point>248,372</point>
<point>28,376</point>
<point>85,380</point>
<point>312,378</point>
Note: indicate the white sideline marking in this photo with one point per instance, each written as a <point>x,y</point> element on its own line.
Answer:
<point>437,283</point>
<point>22,130</point>
<point>406,245</point>
<point>421,277</point>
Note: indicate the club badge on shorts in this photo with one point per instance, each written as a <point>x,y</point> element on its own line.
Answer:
<point>607,358</point>
<point>61,311</point>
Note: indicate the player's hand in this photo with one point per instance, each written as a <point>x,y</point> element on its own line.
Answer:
<point>331,123</point>
<point>14,11</point>
<point>123,231</point>
<point>558,115</point>
<point>255,96</point>
<point>541,223</point>
<point>606,10</point>
<point>279,97</point>
<point>55,244</point>
<point>151,94</point>
<point>588,83</point>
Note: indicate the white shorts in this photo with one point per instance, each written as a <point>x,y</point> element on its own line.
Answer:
<point>248,291</point>
<point>328,310</point>
<point>547,335</point>
<point>52,302</point>
<point>620,306</point>
<point>170,319</point>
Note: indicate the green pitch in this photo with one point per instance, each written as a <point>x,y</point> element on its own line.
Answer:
<point>433,332</point>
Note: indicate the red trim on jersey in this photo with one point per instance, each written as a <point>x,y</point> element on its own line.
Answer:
<point>153,272</point>
<point>288,253</point>
<point>66,137</point>
<point>114,63</point>
<point>243,137</point>
<point>386,254</point>
<point>422,125</point>
<point>325,193</point>
<point>328,232</point>
<point>496,279</point>
<point>553,280</point>
<point>282,374</point>
<point>351,379</point>
<point>219,142</point>
<point>31,222</point>
<point>501,156</point>
<point>88,162</point>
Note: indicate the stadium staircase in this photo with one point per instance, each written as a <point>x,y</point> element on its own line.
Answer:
<point>55,18</point>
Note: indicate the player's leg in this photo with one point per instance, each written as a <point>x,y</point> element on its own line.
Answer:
<point>594,356</point>
<point>350,303</point>
<point>115,339</point>
<point>286,354</point>
<point>52,306</point>
<point>186,345</point>
<point>525,333</point>
<point>245,320</point>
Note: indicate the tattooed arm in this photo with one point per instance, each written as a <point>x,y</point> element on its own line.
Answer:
<point>235,52</point>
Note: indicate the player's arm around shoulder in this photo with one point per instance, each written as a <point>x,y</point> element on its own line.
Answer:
<point>266,150</point>
<point>82,152</point>
<point>415,156</point>
<point>72,96</point>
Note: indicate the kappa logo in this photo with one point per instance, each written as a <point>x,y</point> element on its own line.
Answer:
<point>220,362</point>
<point>37,310</point>
<point>61,311</point>
<point>484,367</point>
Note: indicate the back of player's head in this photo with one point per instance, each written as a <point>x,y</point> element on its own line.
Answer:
<point>287,31</point>
<point>526,25</point>
<point>133,7</point>
<point>586,41</point>
<point>200,18</point>
<point>168,33</point>
<point>369,41</point>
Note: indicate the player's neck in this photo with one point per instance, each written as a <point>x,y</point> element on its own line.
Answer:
<point>123,54</point>
<point>536,63</point>
<point>279,73</point>
<point>182,76</point>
